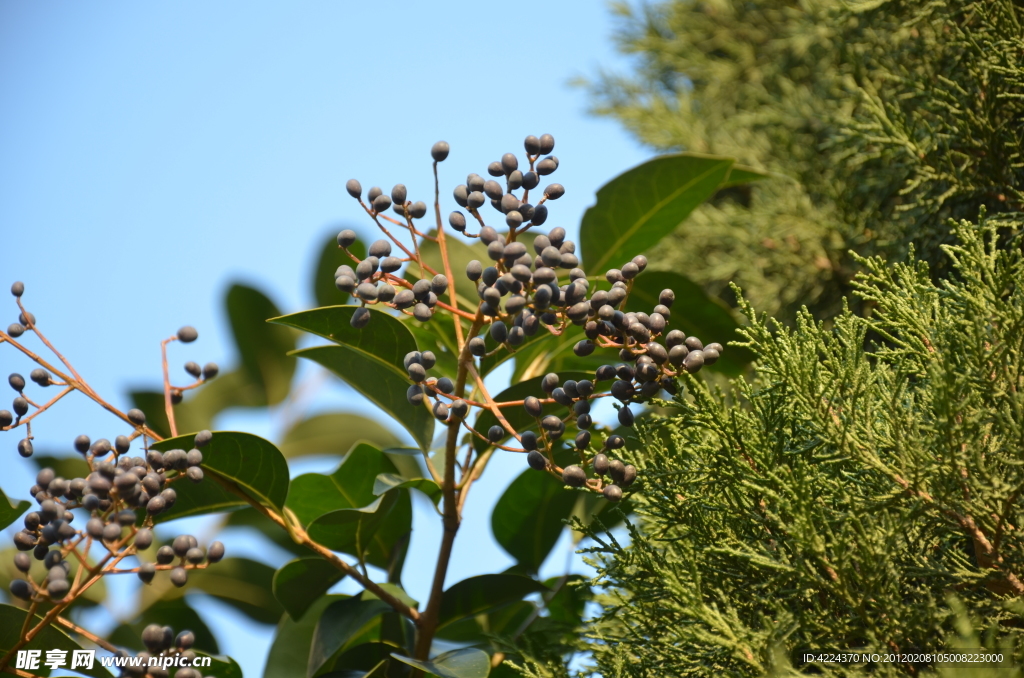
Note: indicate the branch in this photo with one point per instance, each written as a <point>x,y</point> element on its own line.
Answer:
<point>299,535</point>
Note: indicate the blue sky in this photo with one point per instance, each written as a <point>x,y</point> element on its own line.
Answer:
<point>151,154</point>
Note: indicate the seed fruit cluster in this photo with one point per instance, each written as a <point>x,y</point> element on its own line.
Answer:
<point>160,641</point>
<point>113,506</point>
<point>120,497</point>
<point>521,293</point>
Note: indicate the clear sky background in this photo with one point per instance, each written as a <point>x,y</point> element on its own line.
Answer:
<point>153,153</point>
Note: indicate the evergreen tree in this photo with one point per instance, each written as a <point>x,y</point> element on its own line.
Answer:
<point>855,494</point>
<point>888,119</point>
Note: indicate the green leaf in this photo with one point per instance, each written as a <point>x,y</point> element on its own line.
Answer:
<point>385,338</point>
<point>246,585</point>
<point>369,660</point>
<point>527,520</point>
<point>49,638</point>
<point>290,650</point>
<point>466,663</point>
<point>569,602</point>
<point>482,593</point>
<point>342,622</point>
<point>355,530</point>
<point>300,582</point>
<point>389,481</point>
<point>517,415</point>
<point>742,174</point>
<point>177,614</point>
<point>502,621</point>
<point>253,465</point>
<point>350,486</point>
<point>342,512</point>
<point>331,257</point>
<point>695,313</point>
<point>638,208</point>
<point>11,510</point>
<point>263,348</point>
<point>382,384</point>
<point>221,667</point>
<point>334,433</point>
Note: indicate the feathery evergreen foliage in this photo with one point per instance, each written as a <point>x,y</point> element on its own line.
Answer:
<point>892,118</point>
<point>855,494</point>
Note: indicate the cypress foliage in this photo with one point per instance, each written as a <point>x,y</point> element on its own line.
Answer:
<point>892,118</point>
<point>854,494</point>
<point>862,488</point>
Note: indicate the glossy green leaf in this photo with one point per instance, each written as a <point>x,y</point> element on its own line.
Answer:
<point>349,486</point>
<point>638,208</point>
<point>263,348</point>
<point>49,638</point>
<point>742,174</point>
<point>505,621</point>
<point>385,338</point>
<point>300,582</point>
<point>334,433</point>
<point>360,531</point>
<point>11,510</point>
<point>246,585</point>
<point>527,519</point>
<point>177,614</point>
<point>482,593</point>
<point>517,415</point>
<point>382,384</point>
<point>566,606</point>
<point>251,464</point>
<point>369,660</point>
<point>330,258</point>
<point>342,622</point>
<point>220,667</point>
<point>389,481</point>
<point>342,512</point>
<point>289,653</point>
<point>465,663</point>
<point>694,313</point>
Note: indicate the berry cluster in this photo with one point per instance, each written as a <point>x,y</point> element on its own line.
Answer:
<point>519,294</point>
<point>172,650</point>
<point>120,495</point>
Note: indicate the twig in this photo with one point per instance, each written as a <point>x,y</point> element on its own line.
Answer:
<point>168,405</point>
